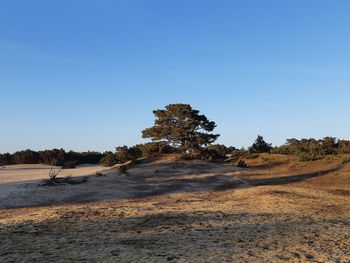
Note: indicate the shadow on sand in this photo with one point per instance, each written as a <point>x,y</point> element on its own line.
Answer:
<point>142,182</point>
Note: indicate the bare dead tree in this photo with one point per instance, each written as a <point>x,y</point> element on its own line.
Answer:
<point>64,179</point>
<point>53,174</point>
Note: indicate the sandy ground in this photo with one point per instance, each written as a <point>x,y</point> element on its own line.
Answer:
<point>28,172</point>
<point>19,181</point>
<point>20,186</point>
<point>279,210</point>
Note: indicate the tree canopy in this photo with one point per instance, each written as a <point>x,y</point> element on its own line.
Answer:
<point>182,127</point>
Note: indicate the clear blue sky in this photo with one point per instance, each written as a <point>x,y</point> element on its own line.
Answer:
<point>86,74</point>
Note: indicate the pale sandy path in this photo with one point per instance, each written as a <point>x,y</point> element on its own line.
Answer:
<point>28,172</point>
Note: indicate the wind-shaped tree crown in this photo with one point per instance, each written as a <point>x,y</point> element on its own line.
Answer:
<point>182,127</point>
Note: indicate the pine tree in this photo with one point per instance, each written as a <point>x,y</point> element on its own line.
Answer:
<point>260,146</point>
<point>182,127</point>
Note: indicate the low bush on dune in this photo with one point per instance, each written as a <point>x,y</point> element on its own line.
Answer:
<point>222,149</point>
<point>109,160</point>
<point>122,155</point>
<point>124,169</point>
<point>210,154</point>
<point>329,158</point>
<point>186,156</point>
<point>265,159</point>
<point>306,157</point>
<point>346,160</point>
<point>242,164</point>
<point>238,153</point>
<point>249,155</point>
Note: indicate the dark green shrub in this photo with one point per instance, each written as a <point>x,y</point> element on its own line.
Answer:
<point>280,150</point>
<point>155,148</point>
<point>109,159</point>
<point>210,154</point>
<point>329,158</point>
<point>238,153</point>
<point>325,146</point>
<point>186,156</point>
<point>124,153</point>
<point>344,146</point>
<point>265,159</point>
<point>260,146</point>
<point>124,169</point>
<point>346,160</point>
<point>6,159</point>
<point>242,164</point>
<point>221,149</point>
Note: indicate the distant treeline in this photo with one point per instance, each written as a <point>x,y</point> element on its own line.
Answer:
<point>306,149</point>
<point>178,128</point>
<point>52,157</point>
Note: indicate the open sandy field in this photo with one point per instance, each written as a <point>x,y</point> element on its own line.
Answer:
<point>277,210</point>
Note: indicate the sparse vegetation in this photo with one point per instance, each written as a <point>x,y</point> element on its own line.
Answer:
<point>330,157</point>
<point>238,153</point>
<point>265,159</point>
<point>307,157</point>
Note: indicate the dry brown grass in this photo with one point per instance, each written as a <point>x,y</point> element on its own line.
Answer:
<point>278,210</point>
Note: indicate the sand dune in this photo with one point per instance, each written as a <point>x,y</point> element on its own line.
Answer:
<point>278,210</point>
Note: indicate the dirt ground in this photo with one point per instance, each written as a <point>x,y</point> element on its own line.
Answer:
<point>276,210</point>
